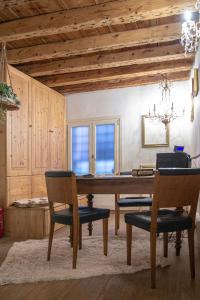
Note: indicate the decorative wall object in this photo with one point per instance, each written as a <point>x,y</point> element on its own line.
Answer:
<point>154,133</point>
<point>195,83</point>
<point>192,109</point>
<point>8,99</point>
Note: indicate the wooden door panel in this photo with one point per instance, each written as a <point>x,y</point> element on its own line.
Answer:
<point>18,128</point>
<point>57,134</point>
<point>39,128</point>
<point>38,186</point>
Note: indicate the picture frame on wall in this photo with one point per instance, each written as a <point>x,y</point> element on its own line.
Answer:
<point>154,134</point>
<point>195,82</point>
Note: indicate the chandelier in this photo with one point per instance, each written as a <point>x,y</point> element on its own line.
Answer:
<point>191,31</point>
<point>165,111</point>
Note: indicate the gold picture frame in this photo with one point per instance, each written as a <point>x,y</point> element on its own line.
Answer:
<point>154,134</point>
<point>195,83</point>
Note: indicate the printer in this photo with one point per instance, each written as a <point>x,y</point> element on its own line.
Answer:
<point>176,159</point>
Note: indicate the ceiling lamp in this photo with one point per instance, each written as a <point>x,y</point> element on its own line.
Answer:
<point>8,99</point>
<point>191,31</point>
<point>164,112</point>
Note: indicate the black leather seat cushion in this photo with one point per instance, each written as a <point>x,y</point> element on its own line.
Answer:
<point>87,214</point>
<point>134,201</point>
<point>167,220</point>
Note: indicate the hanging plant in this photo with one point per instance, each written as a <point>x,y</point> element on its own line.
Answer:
<point>8,99</point>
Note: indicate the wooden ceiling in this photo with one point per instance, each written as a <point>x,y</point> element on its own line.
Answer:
<point>85,45</point>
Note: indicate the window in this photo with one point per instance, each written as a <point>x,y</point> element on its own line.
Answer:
<point>80,149</point>
<point>94,147</point>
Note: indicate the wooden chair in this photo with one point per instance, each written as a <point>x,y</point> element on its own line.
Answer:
<point>62,188</point>
<point>130,201</point>
<point>173,188</point>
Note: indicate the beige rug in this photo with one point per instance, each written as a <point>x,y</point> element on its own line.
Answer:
<point>26,261</point>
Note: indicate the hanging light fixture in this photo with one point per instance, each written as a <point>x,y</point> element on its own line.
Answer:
<point>8,99</point>
<point>191,31</point>
<point>165,111</point>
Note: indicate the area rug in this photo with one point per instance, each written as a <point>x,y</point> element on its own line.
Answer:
<point>26,261</point>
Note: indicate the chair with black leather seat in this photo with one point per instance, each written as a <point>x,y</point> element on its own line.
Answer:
<point>131,201</point>
<point>62,188</point>
<point>173,188</point>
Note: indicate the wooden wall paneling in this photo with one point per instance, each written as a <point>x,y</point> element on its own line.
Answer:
<point>38,186</point>
<point>18,187</point>
<point>40,106</point>
<point>18,128</point>
<point>57,132</point>
<point>2,164</point>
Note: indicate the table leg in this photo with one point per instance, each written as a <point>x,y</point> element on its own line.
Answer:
<point>90,204</point>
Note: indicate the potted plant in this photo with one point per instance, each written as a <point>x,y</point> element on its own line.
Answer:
<point>8,98</point>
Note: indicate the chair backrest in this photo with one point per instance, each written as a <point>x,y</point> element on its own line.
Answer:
<point>176,187</point>
<point>61,187</point>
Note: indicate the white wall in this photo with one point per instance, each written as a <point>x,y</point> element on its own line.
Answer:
<point>129,104</point>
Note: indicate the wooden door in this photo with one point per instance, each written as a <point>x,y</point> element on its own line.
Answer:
<point>57,132</point>
<point>40,105</point>
<point>19,128</point>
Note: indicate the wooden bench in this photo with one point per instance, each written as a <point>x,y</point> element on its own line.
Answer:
<point>31,223</point>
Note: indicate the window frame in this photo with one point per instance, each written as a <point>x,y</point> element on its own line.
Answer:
<point>91,123</point>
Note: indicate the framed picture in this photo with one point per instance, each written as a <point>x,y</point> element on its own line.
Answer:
<point>195,83</point>
<point>154,134</point>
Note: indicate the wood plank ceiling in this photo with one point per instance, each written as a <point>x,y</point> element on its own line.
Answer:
<point>85,45</point>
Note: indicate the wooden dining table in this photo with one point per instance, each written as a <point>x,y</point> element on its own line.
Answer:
<point>120,184</point>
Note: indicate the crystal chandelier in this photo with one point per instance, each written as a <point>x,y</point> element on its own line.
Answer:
<point>164,112</point>
<point>191,32</point>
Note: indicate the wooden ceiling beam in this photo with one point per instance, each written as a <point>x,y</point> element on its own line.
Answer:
<point>105,60</point>
<point>4,4</point>
<point>133,71</point>
<point>96,16</point>
<point>113,84</point>
<point>109,41</point>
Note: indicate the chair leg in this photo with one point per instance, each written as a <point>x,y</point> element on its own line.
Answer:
<point>178,243</point>
<point>71,236</point>
<point>75,243</point>
<point>165,244</point>
<point>80,236</point>
<point>191,252</point>
<point>128,242</point>
<point>105,236</point>
<point>117,215</point>
<point>153,259</point>
<point>50,239</point>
